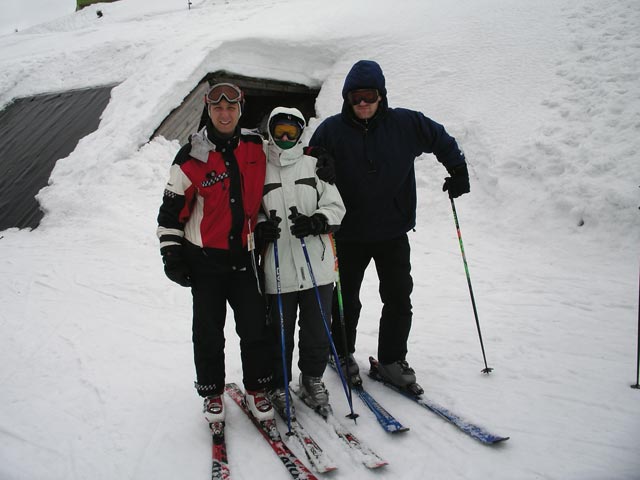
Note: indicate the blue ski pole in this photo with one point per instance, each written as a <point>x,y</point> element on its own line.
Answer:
<point>352,415</point>
<point>282,344</point>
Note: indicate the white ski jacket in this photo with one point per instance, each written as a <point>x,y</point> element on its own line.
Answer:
<point>291,181</point>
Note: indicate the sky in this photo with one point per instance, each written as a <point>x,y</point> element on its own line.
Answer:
<point>96,368</point>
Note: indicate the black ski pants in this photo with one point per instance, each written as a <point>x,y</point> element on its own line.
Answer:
<point>215,285</point>
<point>313,343</point>
<point>393,266</point>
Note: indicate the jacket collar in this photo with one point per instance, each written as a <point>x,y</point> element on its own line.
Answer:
<point>204,142</point>
<point>281,157</point>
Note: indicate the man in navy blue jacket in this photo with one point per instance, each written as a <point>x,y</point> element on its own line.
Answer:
<point>374,148</point>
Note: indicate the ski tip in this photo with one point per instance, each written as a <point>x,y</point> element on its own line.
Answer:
<point>499,440</point>
<point>378,464</point>
<point>400,430</point>
<point>326,469</point>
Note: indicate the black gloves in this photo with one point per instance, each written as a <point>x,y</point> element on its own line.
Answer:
<point>458,182</point>
<point>268,231</point>
<point>304,226</point>
<point>325,165</point>
<point>175,266</point>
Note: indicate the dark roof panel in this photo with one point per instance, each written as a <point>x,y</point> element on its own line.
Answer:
<point>35,132</point>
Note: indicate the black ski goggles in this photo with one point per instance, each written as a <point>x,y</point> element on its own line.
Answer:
<point>226,91</point>
<point>366,95</point>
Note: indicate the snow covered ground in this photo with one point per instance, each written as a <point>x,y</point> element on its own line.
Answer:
<point>96,365</point>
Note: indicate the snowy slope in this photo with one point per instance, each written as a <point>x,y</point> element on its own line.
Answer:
<point>96,363</point>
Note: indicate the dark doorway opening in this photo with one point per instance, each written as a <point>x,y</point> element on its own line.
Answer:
<point>35,132</point>
<point>262,96</point>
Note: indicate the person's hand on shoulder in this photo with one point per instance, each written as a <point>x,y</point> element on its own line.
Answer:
<point>325,165</point>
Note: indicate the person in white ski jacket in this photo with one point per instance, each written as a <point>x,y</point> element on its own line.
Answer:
<point>297,204</point>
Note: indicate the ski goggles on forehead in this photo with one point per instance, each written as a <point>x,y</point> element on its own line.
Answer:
<point>227,91</point>
<point>368,95</point>
<point>288,129</point>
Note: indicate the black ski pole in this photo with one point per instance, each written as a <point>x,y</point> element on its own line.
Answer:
<point>486,369</point>
<point>282,343</point>
<point>352,415</point>
<point>637,384</point>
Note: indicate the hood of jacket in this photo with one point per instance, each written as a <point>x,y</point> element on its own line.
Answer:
<point>364,74</point>
<point>277,155</point>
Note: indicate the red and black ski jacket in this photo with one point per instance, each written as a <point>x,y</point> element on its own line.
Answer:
<point>214,192</point>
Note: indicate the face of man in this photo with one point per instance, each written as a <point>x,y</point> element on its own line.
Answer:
<point>364,102</point>
<point>225,116</point>
<point>365,111</point>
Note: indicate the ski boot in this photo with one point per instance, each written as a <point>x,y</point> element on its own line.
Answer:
<point>315,394</point>
<point>213,409</point>
<point>259,405</point>
<point>398,373</point>
<point>278,397</point>
<point>349,368</point>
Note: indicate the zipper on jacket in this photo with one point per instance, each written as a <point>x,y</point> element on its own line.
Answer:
<point>372,167</point>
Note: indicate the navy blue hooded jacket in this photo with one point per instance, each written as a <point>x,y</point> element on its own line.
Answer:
<point>374,159</point>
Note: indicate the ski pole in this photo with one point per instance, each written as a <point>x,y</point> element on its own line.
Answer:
<point>352,415</point>
<point>343,329</point>
<point>486,369</point>
<point>637,384</point>
<point>282,343</point>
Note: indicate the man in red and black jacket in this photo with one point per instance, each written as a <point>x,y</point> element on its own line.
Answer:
<point>208,213</point>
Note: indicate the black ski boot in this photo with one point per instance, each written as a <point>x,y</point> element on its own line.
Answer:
<point>398,374</point>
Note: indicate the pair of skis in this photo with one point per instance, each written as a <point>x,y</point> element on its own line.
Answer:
<point>268,429</point>
<point>391,425</point>
<point>317,457</point>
